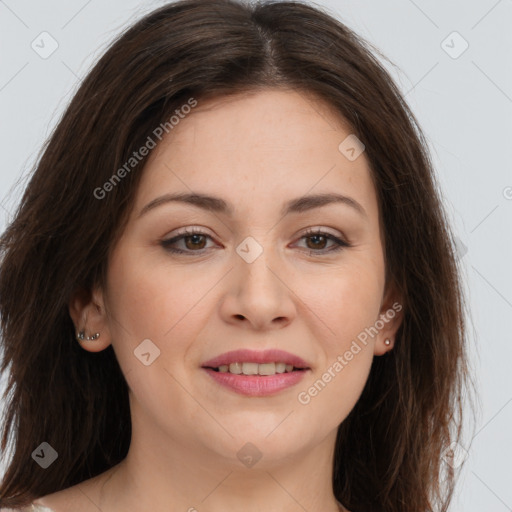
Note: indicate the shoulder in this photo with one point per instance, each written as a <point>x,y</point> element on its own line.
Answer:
<point>56,502</point>
<point>81,497</point>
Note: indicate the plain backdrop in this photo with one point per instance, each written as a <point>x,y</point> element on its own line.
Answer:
<point>454,65</point>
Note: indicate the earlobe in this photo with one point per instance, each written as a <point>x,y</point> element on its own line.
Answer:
<point>81,336</point>
<point>383,346</point>
<point>88,313</point>
<point>390,319</point>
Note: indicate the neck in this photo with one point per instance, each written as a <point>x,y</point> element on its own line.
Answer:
<point>159,472</point>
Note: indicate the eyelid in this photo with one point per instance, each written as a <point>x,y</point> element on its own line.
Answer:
<point>192,230</point>
<point>340,241</point>
<point>197,230</point>
<point>185,232</point>
<point>320,229</point>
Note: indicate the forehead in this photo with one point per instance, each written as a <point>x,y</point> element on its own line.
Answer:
<point>268,120</point>
<point>257,148</point>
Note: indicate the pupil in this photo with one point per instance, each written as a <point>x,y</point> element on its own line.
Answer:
<point>316,237</point>
<point>194,240</point>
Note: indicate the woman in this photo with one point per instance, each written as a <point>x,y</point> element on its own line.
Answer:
<point>230,283</point>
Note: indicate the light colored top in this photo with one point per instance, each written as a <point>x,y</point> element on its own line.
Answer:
<point>29,508</point>
<point>40,508</point>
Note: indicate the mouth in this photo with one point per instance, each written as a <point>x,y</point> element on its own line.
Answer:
<point>256,373</point>
<point>256,385</point>
<point>256,369</point>
<point>256,362</point>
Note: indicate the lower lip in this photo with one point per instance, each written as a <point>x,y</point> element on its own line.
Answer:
<point>256,385</point>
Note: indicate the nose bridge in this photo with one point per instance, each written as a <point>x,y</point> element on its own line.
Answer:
<point>258,261</point>
<point>259,292</point>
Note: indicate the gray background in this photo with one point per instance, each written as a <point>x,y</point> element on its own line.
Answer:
<point>463,101</point>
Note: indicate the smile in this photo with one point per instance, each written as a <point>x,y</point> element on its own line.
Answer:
<point>256,384</point>
<point>255,368</point>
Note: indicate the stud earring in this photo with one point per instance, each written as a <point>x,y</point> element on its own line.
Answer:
<point>81,336</point>
<point>387,342</point>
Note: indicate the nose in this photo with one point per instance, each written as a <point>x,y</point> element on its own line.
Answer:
<point>259,294</point>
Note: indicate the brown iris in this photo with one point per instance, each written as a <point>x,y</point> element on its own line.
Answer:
<point>195,242</point>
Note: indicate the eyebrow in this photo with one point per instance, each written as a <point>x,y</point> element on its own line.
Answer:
<point>218,205</point>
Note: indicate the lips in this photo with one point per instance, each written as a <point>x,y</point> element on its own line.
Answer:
<point>256,356</point>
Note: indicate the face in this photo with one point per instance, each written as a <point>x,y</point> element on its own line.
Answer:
<point>266,267</point>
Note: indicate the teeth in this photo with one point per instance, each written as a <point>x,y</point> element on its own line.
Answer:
<point>235,368</point>
<point>255,368</point>
<point>267,369</point>
<point>280,367</point>
<point>250,368</point>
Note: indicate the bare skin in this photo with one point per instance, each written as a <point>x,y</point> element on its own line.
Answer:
<point>256,152</point>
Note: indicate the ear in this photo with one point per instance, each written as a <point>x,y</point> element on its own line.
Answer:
<point>390,319</point>
<point>87,310</point>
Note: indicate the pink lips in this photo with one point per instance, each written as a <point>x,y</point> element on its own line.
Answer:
<point>257,385</point>
<point>256,356</point>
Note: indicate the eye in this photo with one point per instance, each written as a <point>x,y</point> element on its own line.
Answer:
<point>316,241</point>
<point>195,240</point>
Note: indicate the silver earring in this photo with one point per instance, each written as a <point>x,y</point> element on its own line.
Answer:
<point>81,336</point>
<point>387,342</point>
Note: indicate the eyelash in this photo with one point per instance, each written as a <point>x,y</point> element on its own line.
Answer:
<point>341,244</point>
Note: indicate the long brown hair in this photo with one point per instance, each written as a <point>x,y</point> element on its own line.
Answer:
<point>389,450</point>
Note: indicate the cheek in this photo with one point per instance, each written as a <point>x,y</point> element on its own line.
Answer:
<point>348,303</point>
<point>162,303</point>
<point>330,397</point>
<point>345,301</point>
<point>135,291</point>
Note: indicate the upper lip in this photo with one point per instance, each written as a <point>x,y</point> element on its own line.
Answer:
<point>256,356</point>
